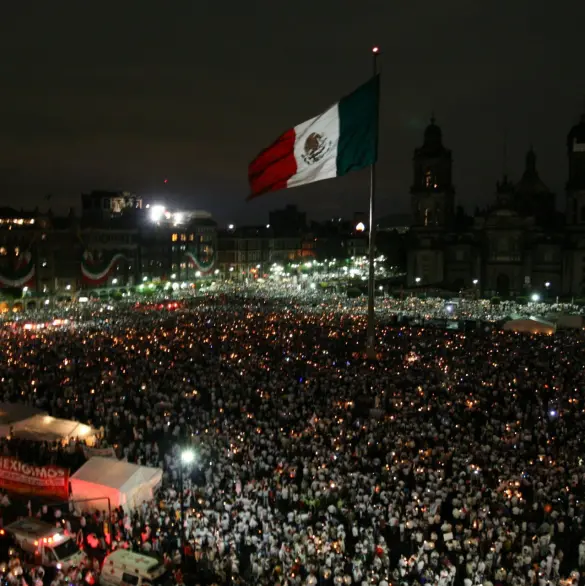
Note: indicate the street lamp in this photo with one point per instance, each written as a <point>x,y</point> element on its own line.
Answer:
<point>417,280</point>
<point>535,297</point>
<point>475,281</point>
<point>114,281</point>
<point>187,457</point>
<point>547,284</point>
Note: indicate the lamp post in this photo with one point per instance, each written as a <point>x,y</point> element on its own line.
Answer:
<point>187,456</point>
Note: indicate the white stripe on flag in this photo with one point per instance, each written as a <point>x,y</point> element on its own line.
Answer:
<point>316,165</point>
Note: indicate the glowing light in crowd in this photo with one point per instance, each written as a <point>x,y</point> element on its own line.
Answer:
<point>187,456</point>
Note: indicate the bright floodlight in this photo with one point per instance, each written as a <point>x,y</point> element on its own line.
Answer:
<point>360,227</point>
<point>178,217</point>
<point>157,212</point>
<point>114,281</point>
<point>231,227</point>
<point>547,284</point>
<point>375,49</point>
<point>475,281</point>
<point>535,297</point>
<point>187,456</point>
<point>417,280</point>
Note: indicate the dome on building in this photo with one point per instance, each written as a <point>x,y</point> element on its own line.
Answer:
<point>433,142</point>
<point>576,134</point>
<point>433,134</point>
<point>531,184</point>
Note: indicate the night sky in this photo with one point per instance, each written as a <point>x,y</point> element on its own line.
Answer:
<point>121,95</point>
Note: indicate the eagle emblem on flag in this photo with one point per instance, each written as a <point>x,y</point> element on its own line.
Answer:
<point>315,148</point>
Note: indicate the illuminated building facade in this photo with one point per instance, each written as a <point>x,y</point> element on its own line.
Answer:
<point>113,243</point>
<point>519,245</point>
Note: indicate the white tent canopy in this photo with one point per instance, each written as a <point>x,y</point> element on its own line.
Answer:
<point>31,423</point>
<point>13,413</point>
<point>530,325</point>
<point>127,485</point>
<point>47,428</point>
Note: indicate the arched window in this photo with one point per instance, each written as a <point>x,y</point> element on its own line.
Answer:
<point>428,217</point>
<point>429,179</point>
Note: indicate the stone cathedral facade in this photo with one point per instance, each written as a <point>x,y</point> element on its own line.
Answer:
<point>519,245</point>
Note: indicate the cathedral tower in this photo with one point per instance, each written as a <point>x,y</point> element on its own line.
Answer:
<point>432,192</point>
<point>575,211</point>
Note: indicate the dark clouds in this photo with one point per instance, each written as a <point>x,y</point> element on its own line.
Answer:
<point>124,94</point>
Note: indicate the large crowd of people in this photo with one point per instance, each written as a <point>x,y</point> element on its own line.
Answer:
<point>455,459</point>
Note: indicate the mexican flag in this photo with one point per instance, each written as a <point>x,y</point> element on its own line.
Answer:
<point>344,138</point>
<point>204,267</point>
<point>95,272</point>
<point>22,275</point>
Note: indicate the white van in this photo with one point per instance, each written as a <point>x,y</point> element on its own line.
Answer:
<point>50,545</point>
<point>126,568</point>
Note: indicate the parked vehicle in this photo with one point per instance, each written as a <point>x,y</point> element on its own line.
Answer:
<point>49,545</point>
<point>126,568</point>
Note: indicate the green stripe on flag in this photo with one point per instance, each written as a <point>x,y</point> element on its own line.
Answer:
<point>358,128</point>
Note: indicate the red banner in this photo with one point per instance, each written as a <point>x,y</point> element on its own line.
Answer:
<point>16,476</point>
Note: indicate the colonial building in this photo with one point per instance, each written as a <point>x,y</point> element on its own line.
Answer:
<point>339,239</point>
<point>249,251</point>
<point>519,245</point>
<point>115,242</point>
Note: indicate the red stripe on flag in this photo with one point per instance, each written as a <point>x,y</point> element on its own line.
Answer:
<point>274,166</point>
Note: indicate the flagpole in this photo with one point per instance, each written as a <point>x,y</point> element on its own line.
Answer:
<point>371,334</point>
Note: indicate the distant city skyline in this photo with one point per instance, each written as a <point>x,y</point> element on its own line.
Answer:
<point>94,98</point>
